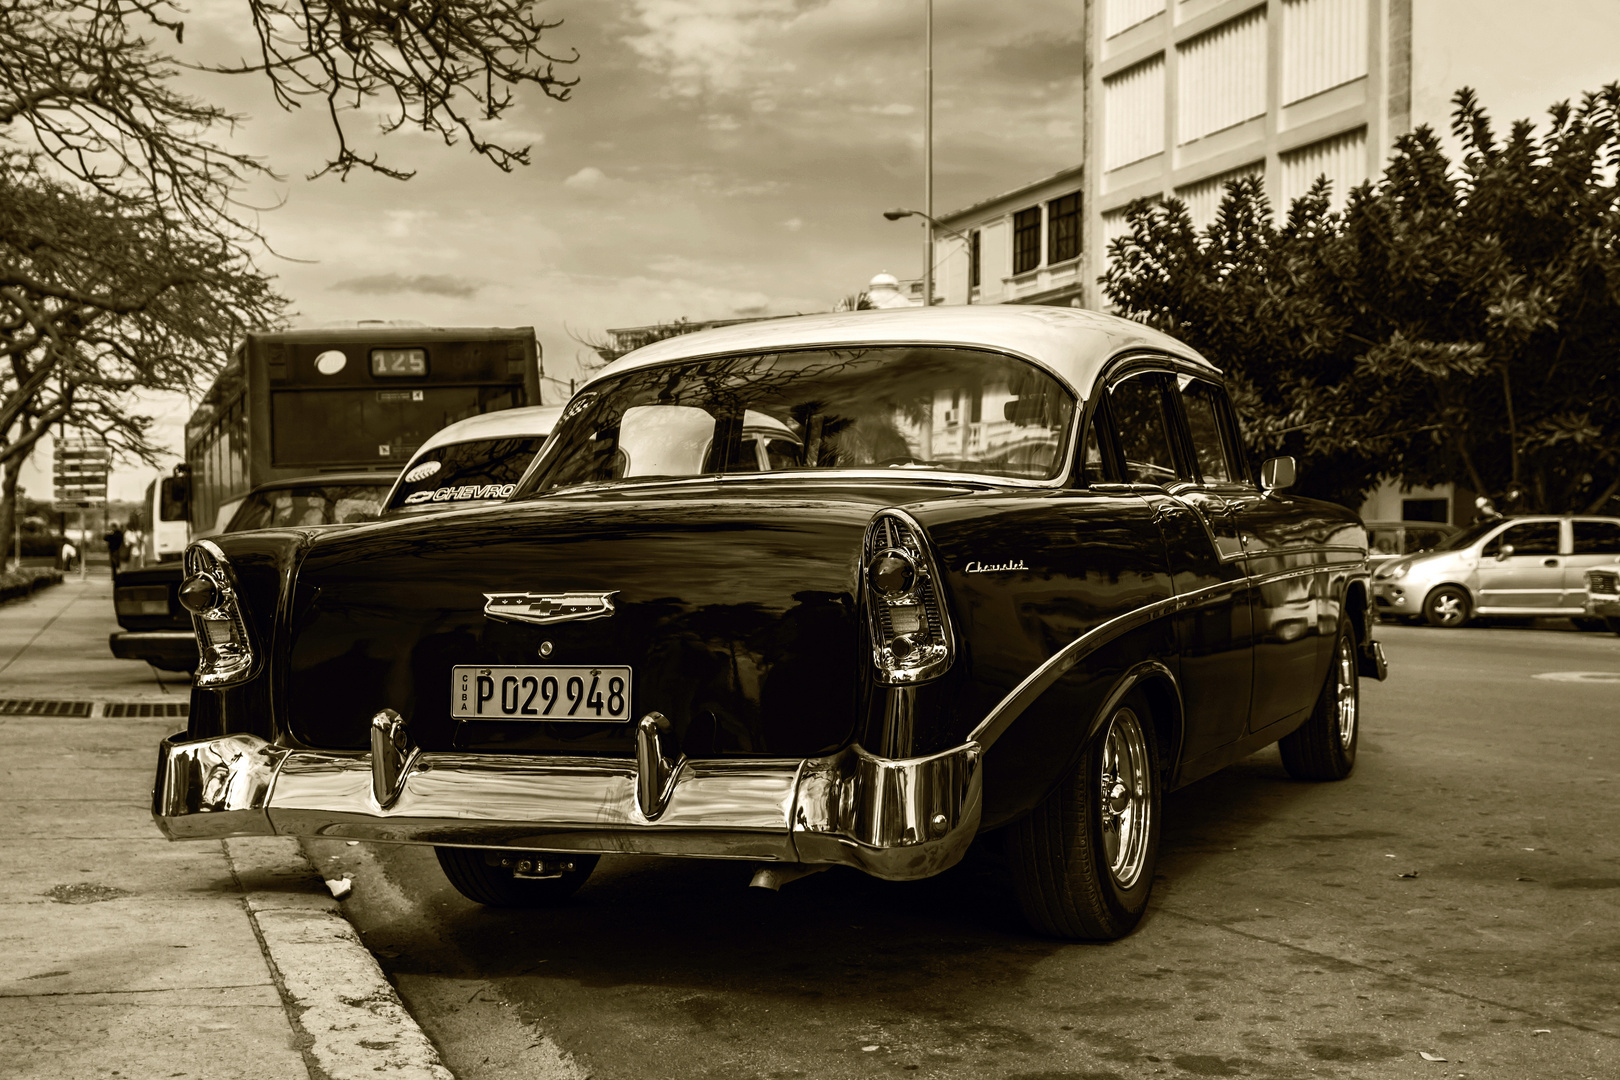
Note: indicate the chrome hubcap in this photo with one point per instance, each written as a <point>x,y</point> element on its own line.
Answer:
<point>1127,798</point>
<point>1348,697</point>
<point>1448,607</point>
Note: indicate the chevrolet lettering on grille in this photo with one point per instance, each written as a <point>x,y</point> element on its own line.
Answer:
<point>544,608</point>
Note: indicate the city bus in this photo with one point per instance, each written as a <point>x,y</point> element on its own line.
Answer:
<point>298,403</point>
<point>311,427</point>
<point>164,532</point>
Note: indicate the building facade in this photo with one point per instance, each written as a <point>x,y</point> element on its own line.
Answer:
<point>1021,247</point>
<point>1184,95</point>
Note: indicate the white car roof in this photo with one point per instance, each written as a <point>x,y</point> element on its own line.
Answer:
<point>536,420</point>
<point>1072,343</point>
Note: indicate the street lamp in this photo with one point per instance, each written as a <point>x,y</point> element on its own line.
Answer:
<point>928,265</point>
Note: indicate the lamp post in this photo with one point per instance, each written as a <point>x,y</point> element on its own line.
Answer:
<point>928,267</point>
<point>928,151</point>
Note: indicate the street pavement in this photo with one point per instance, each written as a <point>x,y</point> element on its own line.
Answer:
<point>123,954</point>
<point>1447,912</point>
<point>1455,898</point>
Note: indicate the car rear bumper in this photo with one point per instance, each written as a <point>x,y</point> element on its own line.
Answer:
<point>894,819</point>
<point>174,649</point>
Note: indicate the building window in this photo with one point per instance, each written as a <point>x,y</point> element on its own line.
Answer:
<point>974,254</point>
<point>1342,159</point>
<point>1133,113</point>
<point>1324,44</point>
<point>1063,228</point>
<point>1026,240</point>
<point>1222,81</point>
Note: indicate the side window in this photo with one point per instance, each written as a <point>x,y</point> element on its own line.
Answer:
<point>1137,405</point>
<point>1527,538</point>
<point>1202,403</point>
<point>1597,537</point>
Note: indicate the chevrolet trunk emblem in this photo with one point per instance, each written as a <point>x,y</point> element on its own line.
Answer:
<point>543,608</point>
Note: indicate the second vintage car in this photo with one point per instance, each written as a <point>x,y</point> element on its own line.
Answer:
<point>844,590</point>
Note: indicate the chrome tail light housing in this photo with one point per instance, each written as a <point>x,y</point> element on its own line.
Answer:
<point>912,640</point>
<point>209,591</point>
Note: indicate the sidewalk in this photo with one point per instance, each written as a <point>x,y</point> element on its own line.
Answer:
<point>124,954</point>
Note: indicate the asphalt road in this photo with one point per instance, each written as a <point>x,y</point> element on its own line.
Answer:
<point>1456,897</point>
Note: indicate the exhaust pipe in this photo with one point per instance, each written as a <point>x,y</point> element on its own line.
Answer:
<point>774,877</point>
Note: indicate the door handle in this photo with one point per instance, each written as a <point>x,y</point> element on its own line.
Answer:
<point>1549,562</point>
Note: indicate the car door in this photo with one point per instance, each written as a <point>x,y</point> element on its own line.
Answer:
<point>1213,626</point>
<point>1520,569</point>
<point>1594,542</point>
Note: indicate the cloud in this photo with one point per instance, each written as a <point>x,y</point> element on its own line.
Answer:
<point>793,224</point>
<point>894,108</point>
<point>431,284</point>
<point>588,177</point>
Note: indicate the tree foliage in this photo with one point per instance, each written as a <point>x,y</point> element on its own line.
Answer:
<point>1455,322</point>
<point>125,262</point>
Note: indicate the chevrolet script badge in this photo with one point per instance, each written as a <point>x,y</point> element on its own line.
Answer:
<point>542,608</point>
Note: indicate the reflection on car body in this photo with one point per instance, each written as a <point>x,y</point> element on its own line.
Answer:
<point>831,590</point>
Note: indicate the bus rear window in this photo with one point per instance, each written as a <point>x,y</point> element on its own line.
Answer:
<point>364,426</point>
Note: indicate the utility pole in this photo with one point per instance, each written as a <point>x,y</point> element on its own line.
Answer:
<point>928,154</point>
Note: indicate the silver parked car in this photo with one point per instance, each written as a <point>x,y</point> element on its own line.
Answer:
<point>1524,566</point>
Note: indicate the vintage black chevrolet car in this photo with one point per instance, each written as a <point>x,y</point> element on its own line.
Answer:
<point>846,589</point>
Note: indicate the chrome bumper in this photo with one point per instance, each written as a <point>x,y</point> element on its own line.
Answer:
<point>895,819</point>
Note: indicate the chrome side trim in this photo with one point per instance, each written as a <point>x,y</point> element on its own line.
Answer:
<point>1060,663</point>
<point>214,788</point>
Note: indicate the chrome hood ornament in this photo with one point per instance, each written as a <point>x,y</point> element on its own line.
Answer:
<point>543,608</point>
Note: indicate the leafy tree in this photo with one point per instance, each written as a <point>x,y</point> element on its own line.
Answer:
<point>124,260</point>
<point>1455,322</point>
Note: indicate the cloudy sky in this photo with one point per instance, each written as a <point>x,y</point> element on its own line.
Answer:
<point>718,158</point>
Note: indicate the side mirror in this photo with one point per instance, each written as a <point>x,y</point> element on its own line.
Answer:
<point>1506,551</point>
<point>1276,474</point>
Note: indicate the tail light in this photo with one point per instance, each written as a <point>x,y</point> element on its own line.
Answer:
<point>911,634</point>
<point>209,592</point>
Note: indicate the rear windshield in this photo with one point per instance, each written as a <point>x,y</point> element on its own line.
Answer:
<point>308,504</point>
<point>476,469</point>
<point>898,407</point>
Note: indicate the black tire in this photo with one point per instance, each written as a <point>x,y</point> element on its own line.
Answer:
<point>477,874</point>
<point>1068,882</point>
<point>1448,606</point>
<point>1324,746</point>
<point>1589,625</point>
<point>1612,624</point>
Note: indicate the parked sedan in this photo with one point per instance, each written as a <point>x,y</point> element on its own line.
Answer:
<point>1514,567</point>
<point>1007,568</point>
<point>154,627</point>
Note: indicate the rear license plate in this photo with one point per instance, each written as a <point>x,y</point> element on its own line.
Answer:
<point>541,692</point>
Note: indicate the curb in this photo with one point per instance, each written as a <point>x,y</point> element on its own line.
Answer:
<point>350,1022</point>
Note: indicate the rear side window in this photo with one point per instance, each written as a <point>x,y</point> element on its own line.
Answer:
<point>1597,537</point>
<point>1202,403</point>
<point>1137,405</point>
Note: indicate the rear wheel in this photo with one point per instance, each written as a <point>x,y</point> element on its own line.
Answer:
<point>1082,862</point>
<point>1447,606</point>
<point>1324,746</point>
<point>478,874</point>
<point>1590,625</point>
<point>1612,624</point>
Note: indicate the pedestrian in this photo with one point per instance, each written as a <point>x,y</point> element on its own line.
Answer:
<point>70,554</point>
<point>115,545</point>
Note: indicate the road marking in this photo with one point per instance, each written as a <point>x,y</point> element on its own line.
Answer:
<point>1579,676</point>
